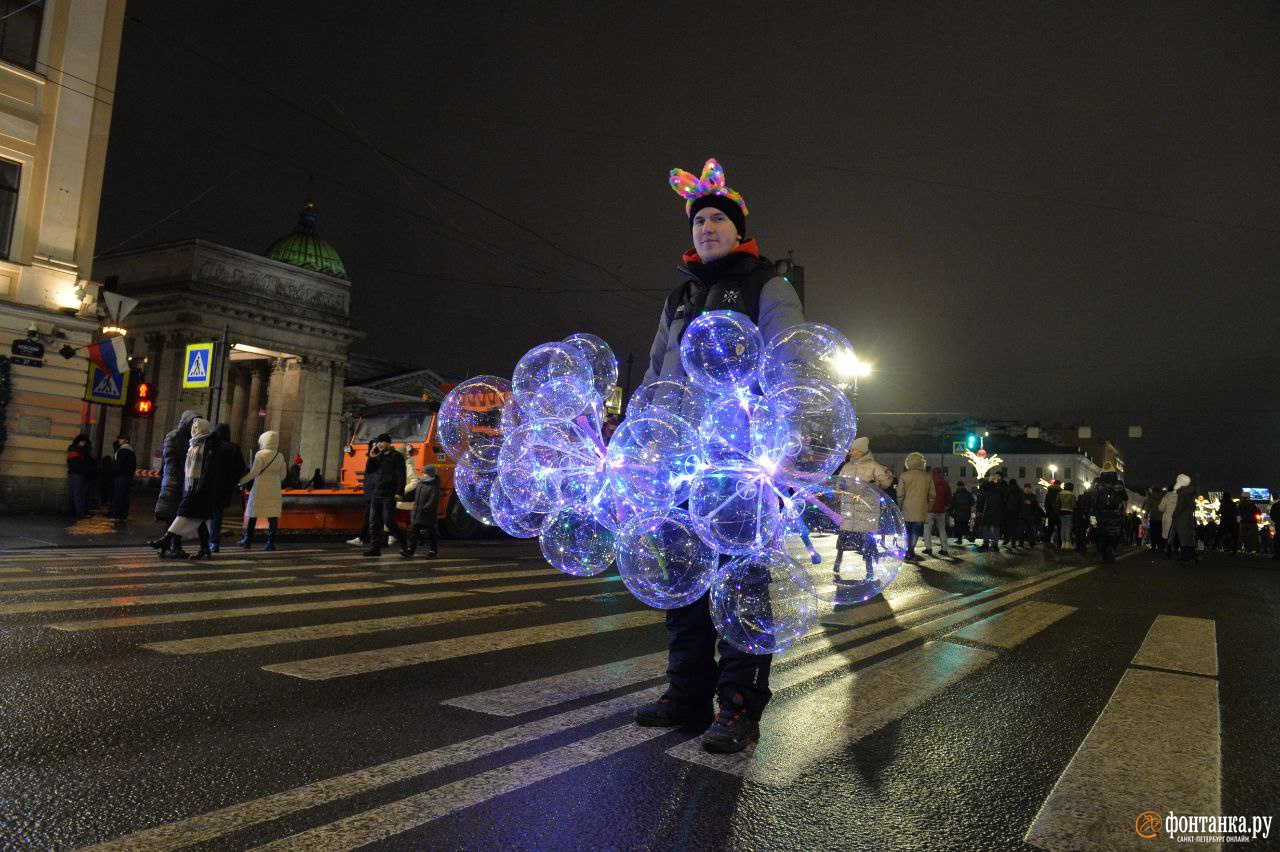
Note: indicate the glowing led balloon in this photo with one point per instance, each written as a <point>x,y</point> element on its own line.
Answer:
<point>512,416</point>
<point>673,395</point>
<point>604,365</point>
<point>513,520</point>
<point>857,534</point>
<point>553,382</point>
<point>649,460</point>
<point>810,350</point>
<point>546,464</point>
<point>473,487</point>
<point>573,542</point>
<point>812,424</point>
<point>725,432</point>
<point>663,562</point>
<point>763,602</point>
<point>721,351</point>
<point>735,509</point>
<point>470,419</point>
<point>609,509</point>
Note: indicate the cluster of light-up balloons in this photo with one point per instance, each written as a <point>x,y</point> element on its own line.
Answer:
<point>720,480</point>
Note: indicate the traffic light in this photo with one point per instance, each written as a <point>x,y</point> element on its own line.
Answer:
<point>971,441</point>
<point>142,402</point>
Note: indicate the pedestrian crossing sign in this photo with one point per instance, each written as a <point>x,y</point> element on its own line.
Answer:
<point>958,448</point>
<point>197,371</point>
<point>106,388</point>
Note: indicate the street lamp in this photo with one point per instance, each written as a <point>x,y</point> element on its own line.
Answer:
<point>1053,473</point>
<point>851,367</point>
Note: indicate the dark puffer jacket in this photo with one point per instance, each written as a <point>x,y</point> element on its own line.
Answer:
<point>992,497</point>
<point>722,285</point>
<point>171,475</point>
<point>1110,498</point>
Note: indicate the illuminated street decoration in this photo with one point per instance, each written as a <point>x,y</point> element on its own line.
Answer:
<point>982,463</point>
<point>718,480</point>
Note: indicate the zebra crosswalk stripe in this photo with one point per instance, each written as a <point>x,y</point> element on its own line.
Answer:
<point>464,578</point>
<point>363,662</point>
<point>224,821</point>
<point>1014,626</point>
<point>262,638</point>
<point>187,597</point>
<point>176,584</point>
<point>245,612</point>
<point>1157,745</point>
<point>389,820</point>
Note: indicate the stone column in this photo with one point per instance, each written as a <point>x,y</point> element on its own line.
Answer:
<point>289,412</point>
<point>314,401</point>
<point>239,378</point>
<point>253,423</point>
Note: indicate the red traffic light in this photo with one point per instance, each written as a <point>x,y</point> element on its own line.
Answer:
<point>142,403</point>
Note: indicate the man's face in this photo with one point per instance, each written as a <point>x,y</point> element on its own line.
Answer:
<point>714,234</point>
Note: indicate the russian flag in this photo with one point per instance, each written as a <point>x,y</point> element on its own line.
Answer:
<point>110,355</point>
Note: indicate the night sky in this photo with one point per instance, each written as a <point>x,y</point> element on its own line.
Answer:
<point>1043,212</point>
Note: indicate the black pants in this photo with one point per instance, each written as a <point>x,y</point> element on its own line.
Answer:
<point>364,525</point>
<point>382,514</point>
<point>424,531</point>
<point>692,669</point>
<point>961,527</point>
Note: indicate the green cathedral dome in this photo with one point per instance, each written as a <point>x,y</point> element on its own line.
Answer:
<point>304,248</point>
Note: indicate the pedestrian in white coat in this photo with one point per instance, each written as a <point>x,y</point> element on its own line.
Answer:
<point>1167,504</point>
<point>266,473</point>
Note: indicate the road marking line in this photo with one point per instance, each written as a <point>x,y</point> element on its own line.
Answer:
<point>524,697</point>
<point>244,612</point>
<point>557,689</point>
<point>1012,627</point>
<point>362,662</point>
<point>125,575</point>
<point>177,584</point>
<point>554,584</point>
<point>866,612</point>
<point>852,707</point>
<point>190,597</point>
<point>261,638</point>
<point>1180,644</point>
<point>1156,746</point>
<point>389,820</point>
<point>232,818</point>
<point>599,597</point>
<point>215,824</point>
<point>460,578</point>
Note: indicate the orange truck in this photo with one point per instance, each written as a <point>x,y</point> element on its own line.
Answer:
<point>341,510</point>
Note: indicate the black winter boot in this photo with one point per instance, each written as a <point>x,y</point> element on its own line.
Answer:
<point>732,729</point>
<point>248,534</point>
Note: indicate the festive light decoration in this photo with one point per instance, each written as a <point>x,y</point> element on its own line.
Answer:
<point>982,463</point>
<point>748,442</point>
<point>692,188</point>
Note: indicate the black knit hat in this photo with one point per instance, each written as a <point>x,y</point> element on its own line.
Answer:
<point>727,206</point>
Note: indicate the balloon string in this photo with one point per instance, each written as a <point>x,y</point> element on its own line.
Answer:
<point>581,425</point>
<point>826,510</point>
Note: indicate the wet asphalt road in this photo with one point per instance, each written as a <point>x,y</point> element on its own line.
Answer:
<point>1047,719</point>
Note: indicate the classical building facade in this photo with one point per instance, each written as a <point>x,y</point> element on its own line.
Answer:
<point>57,79</point>
<point>286,318</point>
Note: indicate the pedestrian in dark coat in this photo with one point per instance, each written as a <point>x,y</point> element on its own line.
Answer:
<point>1051,512</point>
<point>1228,524</point>
<point>200,488</point>
<point>229,467</point>
<point>366,489</point>
<point>992,497</point>
<point>1275,527</point>
<point>79,469</point>
<point>1012,512</point>
<point>426,506</point>
<point>122,471</point>
<point>1084,510</point>
<point>1028,517</point>
<point>1155,525</point>
<point>387,472</point>
<point>1110,498</point>
<point>961,512</point>
<point>174,459</point>
<point>1184,519</point>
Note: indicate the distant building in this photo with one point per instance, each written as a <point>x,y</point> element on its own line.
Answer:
<point>287,315</point>
<point>57,79</point>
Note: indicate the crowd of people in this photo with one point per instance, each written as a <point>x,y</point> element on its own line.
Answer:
<point>999,514</point>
